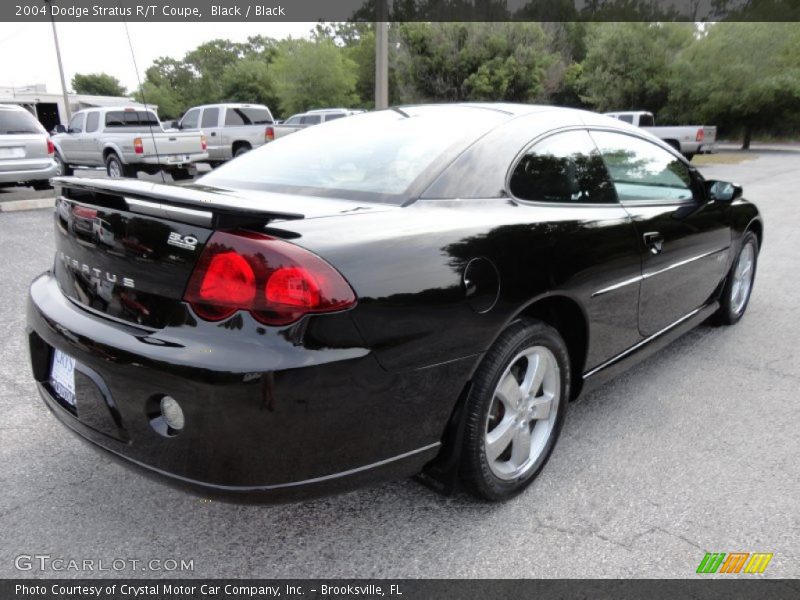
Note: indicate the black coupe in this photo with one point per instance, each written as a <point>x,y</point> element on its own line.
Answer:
<point>415,290</point>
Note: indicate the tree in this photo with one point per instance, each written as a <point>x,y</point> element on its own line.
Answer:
<point>472,61</point>
<point>165,98</point>
<point>97,84</point>
<point>311,74</point>
<point>742,76</point>
<point>627,65</point>
<point>249,80</point>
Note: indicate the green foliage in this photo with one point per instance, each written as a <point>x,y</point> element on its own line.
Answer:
<point>98,84</point>
<point>734,75</point>
<point>472,61</point>
<point>627,65</point>
<point>249,80</point>
<point>313,75</point>
<point>741,76</point>
<point>162,96</point>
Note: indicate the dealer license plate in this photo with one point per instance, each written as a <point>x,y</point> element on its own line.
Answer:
<point>62,376</point>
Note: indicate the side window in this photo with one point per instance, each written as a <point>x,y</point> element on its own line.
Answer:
<point>294,120</point>
<point>92,121</point>
<point>310,119</point>
<point>190,119</point>
<point>76,123</point>
<point>626,118</point>
<point>564,168</point>
<point>641,171</point>
<point>210,118</point>
<point>233,118</point>
<point>333,116</point>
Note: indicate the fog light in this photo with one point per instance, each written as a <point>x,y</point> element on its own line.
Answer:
<point>172,413</point>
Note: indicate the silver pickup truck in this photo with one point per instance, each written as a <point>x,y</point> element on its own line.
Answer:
<point>126,141</point>
<point>686,139</point>
<point>231,129</point>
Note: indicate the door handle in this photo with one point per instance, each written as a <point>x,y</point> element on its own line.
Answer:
<point>213,134</point>
<point>654,241</point>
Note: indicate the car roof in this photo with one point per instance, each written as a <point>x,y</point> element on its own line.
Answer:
<point>230,105</point>
<point>13,107</point>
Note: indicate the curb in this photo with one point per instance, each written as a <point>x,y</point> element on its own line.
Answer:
<point>30,204</point>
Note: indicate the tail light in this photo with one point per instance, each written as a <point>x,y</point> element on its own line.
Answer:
<point>277,282</point>
<point>700,135</point>
<point>138,147</point>
<point>269,134</point>
<point>203,142</point>
<point>51,147</point>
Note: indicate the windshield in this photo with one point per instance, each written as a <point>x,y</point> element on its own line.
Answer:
<point>14,122</point>
<point>380,153</point>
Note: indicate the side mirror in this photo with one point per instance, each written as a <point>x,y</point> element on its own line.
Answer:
<point>723,191</point>
<point>60,128</point>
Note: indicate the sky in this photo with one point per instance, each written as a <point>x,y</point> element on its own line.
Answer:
<point>29,55</point>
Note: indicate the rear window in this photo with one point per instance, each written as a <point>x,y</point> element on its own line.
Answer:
<point>379,154</point>
<point>18,122</point>
<point>247,116</point>
<point>646,121</point>
<point>131,118</point>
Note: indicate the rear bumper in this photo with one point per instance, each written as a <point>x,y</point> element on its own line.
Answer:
<point>170,160</point>
<point>266,418</point>
<point>24,173</point>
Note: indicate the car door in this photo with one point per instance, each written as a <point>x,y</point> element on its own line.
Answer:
<point>70,143</point>
<point>88,141</point>
<point>683,239</point>
<point>588,246</point>
<point>190,121</point>
<point>210,125</point>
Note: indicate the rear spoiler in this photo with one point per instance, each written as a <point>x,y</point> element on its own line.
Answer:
<point>198,205</point>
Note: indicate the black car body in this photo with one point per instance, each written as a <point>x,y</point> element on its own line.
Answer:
<point>540,214</point>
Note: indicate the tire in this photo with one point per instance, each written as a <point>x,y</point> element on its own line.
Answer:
<point>243,149</point>
<point>41,185</point>
<point>64,170</point>
<point>115,168</point>
<point>689,155</point>
<point>739,283</point>
<point>491,467</point>
<point>180,174</point>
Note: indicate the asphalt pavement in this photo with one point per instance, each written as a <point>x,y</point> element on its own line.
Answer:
<point>695,450</point>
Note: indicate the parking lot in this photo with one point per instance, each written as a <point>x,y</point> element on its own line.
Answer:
<point>694,450</point>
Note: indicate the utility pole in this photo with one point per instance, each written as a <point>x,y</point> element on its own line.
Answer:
<point>60,66</point>
<point>381,54</point>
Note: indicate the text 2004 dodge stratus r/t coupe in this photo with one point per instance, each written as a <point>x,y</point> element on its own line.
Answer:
<point>421,289</point>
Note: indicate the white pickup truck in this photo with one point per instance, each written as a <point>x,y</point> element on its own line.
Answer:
<point>126,141</point>
<point>686,139</point>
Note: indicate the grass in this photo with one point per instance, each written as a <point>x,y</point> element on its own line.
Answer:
<point>723,158</point>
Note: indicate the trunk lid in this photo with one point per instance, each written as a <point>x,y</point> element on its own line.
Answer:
<point>126,248</point>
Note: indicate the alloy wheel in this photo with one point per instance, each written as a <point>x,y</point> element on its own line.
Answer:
<point>523,413</point>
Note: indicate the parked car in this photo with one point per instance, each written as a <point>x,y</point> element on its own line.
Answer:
<point>421,289</point>
<point>26,152</point>
<point>312,117</point>
<point>231,129</point>
<point>686,139</point>
<point>126,141</point>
